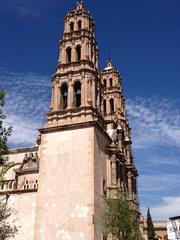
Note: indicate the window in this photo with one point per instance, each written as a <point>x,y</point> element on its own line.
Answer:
<point>77,94</point>
<point>64,95</point>
<point>78,53</point>
<point>110,82</point>
<point>71,27</point>
<point>105,83</point>
<point>112,105</point>
<point>104,105</point>
<point>79,25</point>
<point>68,55</point>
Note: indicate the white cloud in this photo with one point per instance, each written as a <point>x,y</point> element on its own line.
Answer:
<point>20,8</point>
<point>27,102</point>
<point>24,131</point>
<point>158,183</point>
<point>168,208</point>
<point>30,10</point>
<point>157,159</point>
<point>155,121</point>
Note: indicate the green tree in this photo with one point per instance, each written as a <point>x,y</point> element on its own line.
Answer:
<point>7,229</point>
<point>150,226</point>
<point>119,220</point>
<point>4,133</point>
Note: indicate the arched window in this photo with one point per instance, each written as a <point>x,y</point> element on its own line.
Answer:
<point>112,105</point>
<point>105,83</point>
<point>71,27</point>
<point>79,25</point>
<point>78,53</point>
<point>77,94</point>
<point>64,95</point>
<point>104,106</point>
<point>68,55</point>
<point>110,82</point>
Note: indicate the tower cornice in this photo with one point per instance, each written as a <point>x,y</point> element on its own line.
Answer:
<point>74,72</point>
<point>77,34</point>
<point>64,69</point>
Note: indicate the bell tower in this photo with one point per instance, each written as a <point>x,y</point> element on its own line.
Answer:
<point>121,169</point>
<point>75,82</point>
<point>72,145</point>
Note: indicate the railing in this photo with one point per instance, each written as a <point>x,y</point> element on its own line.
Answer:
<point>32,184</point>
<point>8,185</point>
<point>12,185</point>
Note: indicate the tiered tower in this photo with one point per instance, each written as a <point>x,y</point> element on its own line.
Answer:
<point>73,143</point>
<point>75,95</point>
<point>121,170</point>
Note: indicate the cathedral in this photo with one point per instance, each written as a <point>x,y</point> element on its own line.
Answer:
<point>84,150</point>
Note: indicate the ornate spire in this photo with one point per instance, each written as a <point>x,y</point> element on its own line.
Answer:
<point>79,4</point>
<point>109,64</point>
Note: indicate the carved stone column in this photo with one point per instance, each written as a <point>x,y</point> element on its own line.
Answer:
<point>63,54</point>
<point>128,153</point>
<point>56,95</point>
<point>130,184</point>
<point>73,53</point>
<point>83,46</point>
<point>116,103</point>
<point>89,46</point>
<point>108,105</point>
<point>86,49</point>
<point>94,92</point>
<point>70,93</point>
<point>113,170</point>
<point>52,97</point>
<point>119,132</point>
<point>83,90</point>
<point>89,90</point>
<point>65,27</point>
<point>83,22</point>
<point>60,55</point>
<point>75,24</point>
<point>97,60</point>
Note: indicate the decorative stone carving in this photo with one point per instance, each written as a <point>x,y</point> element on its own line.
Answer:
<point>114,170</point>
<point>29,164</point>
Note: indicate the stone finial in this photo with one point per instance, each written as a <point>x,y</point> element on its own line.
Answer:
<point>79,4</point>
<point>109,64</point>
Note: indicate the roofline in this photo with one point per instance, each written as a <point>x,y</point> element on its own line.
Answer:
<point>23,150</point>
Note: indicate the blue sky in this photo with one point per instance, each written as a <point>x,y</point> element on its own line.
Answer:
<point>143,39</point>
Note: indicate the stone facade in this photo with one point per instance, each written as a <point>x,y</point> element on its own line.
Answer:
<point>83,152</point>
